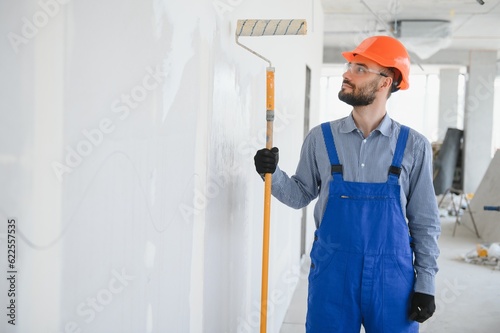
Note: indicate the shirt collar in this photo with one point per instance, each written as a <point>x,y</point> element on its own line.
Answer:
<point>385,126</point>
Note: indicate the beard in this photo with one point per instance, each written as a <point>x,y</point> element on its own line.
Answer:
<point>359,97</point>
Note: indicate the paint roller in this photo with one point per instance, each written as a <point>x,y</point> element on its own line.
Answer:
<point>257,28</point>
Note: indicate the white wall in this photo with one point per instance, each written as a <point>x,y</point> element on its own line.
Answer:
<point>128,130</point>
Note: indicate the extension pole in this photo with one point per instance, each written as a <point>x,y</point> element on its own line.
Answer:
<point>267,199</point>
<point>268,28</point>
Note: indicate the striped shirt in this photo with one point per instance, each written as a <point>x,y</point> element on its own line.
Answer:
<point>368,160</point>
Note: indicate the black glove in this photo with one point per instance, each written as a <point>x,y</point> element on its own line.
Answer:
<point>422,307</point>
<point>266,160</point>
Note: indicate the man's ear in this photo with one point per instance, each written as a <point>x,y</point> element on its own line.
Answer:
<point>388,82</point>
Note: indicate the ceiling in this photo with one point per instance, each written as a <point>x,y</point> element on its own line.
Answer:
<point>458,26</point>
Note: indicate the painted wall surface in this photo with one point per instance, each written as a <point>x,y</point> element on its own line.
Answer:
<point>128,130</point>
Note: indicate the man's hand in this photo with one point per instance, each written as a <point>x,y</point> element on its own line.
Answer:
<point>266,160</point>
<point>422,307</point>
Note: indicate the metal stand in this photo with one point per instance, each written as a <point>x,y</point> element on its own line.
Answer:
<point>456,209</point>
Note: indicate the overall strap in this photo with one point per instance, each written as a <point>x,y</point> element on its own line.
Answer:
<point>332,151</point>
<point>395,168</point>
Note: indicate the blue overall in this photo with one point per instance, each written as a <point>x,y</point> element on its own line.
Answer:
<point>361,260</point>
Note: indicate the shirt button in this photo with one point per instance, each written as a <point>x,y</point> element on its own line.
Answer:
<point>364,141</point>
<point>362,165</point>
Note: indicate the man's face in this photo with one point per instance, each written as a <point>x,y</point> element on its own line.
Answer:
<point>361,82</point>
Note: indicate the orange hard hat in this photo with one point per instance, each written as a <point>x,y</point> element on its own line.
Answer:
<point>387,52</point>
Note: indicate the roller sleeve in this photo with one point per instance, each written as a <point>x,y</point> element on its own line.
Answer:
<point>271,27</point>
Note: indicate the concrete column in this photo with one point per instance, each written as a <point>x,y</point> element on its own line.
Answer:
<point>448,100</point>
<point>478,121</point>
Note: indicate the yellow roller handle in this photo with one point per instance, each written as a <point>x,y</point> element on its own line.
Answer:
<point>267,199</point>
<point>270,96</point>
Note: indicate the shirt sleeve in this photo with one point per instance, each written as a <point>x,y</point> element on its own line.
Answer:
<point>423,218</point>
<point>300,189</point>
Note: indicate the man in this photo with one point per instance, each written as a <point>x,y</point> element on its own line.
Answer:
<point>373,259</point>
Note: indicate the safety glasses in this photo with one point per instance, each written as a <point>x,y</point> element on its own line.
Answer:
<point>360,70</point>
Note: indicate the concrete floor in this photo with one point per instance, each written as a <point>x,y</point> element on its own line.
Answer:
<point>467,297</point>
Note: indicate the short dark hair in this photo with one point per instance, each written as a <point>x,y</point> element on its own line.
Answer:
<point>396,76</point>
